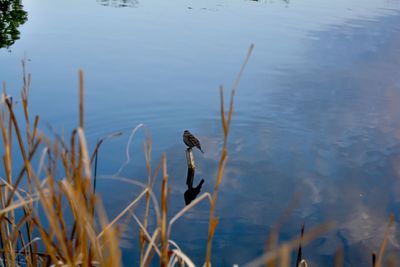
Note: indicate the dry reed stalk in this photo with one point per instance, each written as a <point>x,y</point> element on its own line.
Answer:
<point>17,205</point>
<point>179,256</point>
<point>143,237</point>
<point>5,227</point>
<point>273,238</point>
<point>81,98</point>
<point>122,213</point>
<point>86,235</point>
<point>6,130</point>
<point>72,161</point>
<point>110,241</point>
<point>28,207</point>
<point>339,257</point>
<point>21,174</point>
<point>127,152</point>
<point>382,248</point>
<point>187,208</point>
<point>19,138</point>
<point>24,96</point>
<point>392,262</point>
<point>46,199</point>
<point>164,215</point>
<point>284,254</point>
<point>145,232</point>
<point>290,245</point>
<point>150,183</point>
<point>213,221</point>
<point>80,246</point>
<point>149,247</point>
<point>142,186</point>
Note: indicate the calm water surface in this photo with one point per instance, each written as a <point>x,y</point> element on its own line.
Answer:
<point>317,112</point>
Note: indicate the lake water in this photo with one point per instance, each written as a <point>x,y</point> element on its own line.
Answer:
<point>317,111</point>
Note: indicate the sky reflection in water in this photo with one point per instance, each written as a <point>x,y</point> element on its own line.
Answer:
<point>317,112</point>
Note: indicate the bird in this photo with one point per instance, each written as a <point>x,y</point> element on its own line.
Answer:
<point>191,141</point>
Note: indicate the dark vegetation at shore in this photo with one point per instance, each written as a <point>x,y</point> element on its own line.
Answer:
<point>12,16</point>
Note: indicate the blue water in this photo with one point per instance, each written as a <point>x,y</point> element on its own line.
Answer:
<point>317,111</point>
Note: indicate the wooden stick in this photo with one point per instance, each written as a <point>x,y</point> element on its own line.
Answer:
<point>191,168</point>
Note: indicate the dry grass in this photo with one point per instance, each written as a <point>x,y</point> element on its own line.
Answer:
<point>74,228</point>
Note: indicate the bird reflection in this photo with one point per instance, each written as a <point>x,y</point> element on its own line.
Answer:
<point>192,192</point>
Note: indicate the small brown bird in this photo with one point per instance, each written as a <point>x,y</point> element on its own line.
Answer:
<point>191,141</point>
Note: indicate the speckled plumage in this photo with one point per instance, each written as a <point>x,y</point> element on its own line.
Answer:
<point>191,141</point>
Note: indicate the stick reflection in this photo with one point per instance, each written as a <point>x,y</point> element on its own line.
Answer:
<point>192,192</point>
